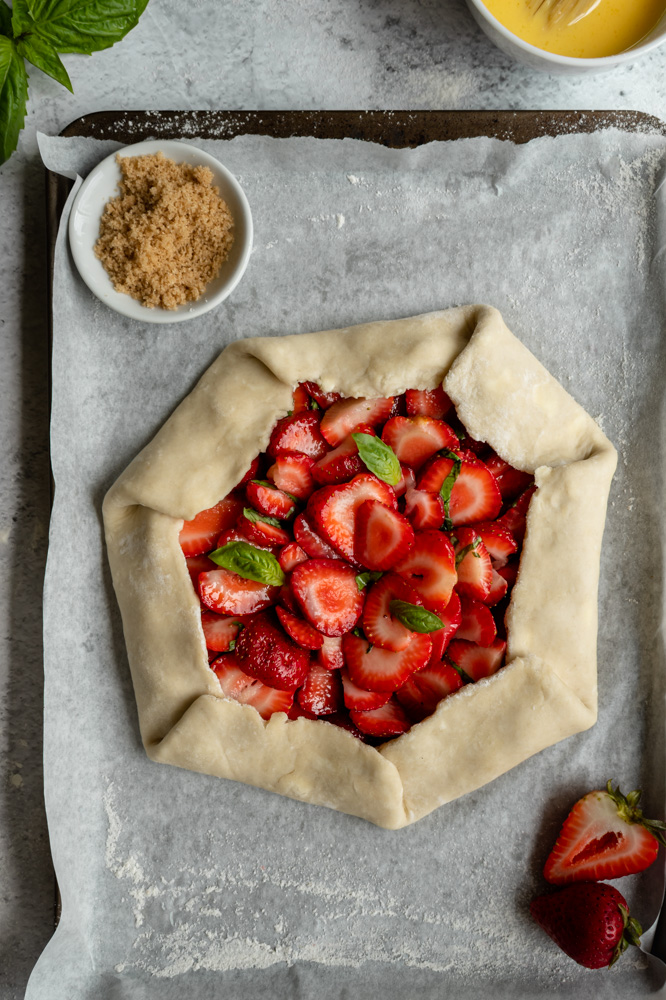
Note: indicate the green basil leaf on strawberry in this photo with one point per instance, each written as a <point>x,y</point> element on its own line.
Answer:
<point>472,547</point>
<point>379,458</point>
<point>13,96</point>
<point>249,562</point>
<point>448,484</point>
<point>369,576</point>
<point>254,515</point>
<point>415,618</point>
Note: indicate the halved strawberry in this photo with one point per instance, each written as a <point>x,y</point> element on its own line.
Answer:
<point>251,472</point>
<point>199,534</point>
<point>380,626</point>
<point>299,432</point>
<point>416,439</point>
<point>265,652</point>
<point>424,510</point>
<point>477,623</point>
<point>340,419</point>
<point>292,472</point>
<point>327,594</point>
<point>309,540</point>
<point>291,555</point>
<point>499,542</point>
<point>604,836</point>
<point>269,500</point>
<point>321,692</point>
<point>301,400</point>
<point>358,698</point>
<point>382,537</point>
<point>511,481</point>
<point>323,399</point>
<point>475,571</point>
<point>375,669</point>
<point>423,691</point>
<point>514,519</point>
<point>237,685</point>
<point>259,531</point>
<point>343,462</point>
<point>429,567</point>
<point>219,631</point>
<point>229,594</point>
<point>476,661</point>
<point>389,720</point>
<point>304,635</point>
<point>197,565</point>
<point>451,616</point>
<point>333,509</point>
<point>428,402</point>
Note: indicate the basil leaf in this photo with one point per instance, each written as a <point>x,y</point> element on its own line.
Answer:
<point>5,20</point>
<point>82,26</point>
<point>249,562</point>
<point>13,95</point>
<point>42,55</point>
<point>253,515</point>
<point>379,458</point>
<point>465,678</point>
<point>21,20</point>
<point>369,576</point>
<point>448,484</point>
<point>472,547</point>
<point>414,617</point>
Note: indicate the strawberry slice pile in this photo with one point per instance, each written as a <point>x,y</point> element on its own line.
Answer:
<point>360,571</point>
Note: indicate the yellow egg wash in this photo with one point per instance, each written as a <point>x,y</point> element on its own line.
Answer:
<point>612,27</point>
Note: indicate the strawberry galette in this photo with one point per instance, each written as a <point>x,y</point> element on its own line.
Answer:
<point>360,567</point>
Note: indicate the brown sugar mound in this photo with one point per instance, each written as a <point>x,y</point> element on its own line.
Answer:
<point>167,233</point>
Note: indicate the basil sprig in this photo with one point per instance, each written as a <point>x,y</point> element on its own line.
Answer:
<point>249,562</point>
<point>368,576</point>
<point>253,515</point>
<point>38,30</point>
<point>415,618</point>
<point>472,547</point>
<point>379,458</point>
<point>448,484</point>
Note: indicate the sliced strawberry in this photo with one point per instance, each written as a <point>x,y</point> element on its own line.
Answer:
<point>424,510</point>
<point>292,472</point>
<point>407,481</point>
<point>499,542</point>
<point>199,534</point>
<point>359,699</point>
<point>309,540</point>
<point>197,565</point>
<point>474,496</point>
<point>380,626</point>
<point>291,555</point>
<point>389,720</point>
<point>330,655</point>
<point>304,635</point>
<point>333,509</point>
<point>416,439</point>
<point>236,684</point>
<point>382,537</point>
<point>604,836</point>
<point>375,669</point>
<point>251,472</point>
<point>296,712</point>
<point>475,571</point>
<point>286,599</point>
<point>269,500</point>
<point>229,594</point>
<point>435,472</point>
<point>340,419</point>
<point>327,594</point>
<point>299,432</point>
<point>476,661</point>
<point>451,616</point>
<point>261,532</point>
<point>477,624</point>
<point>509,573</point>
<point>301,401</point>
<point>343,462</point>
<point>511,481</point>
<point>323,399</point>
<point>321,692</point>
<point>515,518</point>
<point>265,652</point>
<point>422,692</point>
<point>342,720</point>
<point>219,632</point>
<point>234,535</point>
<point>427,402</point>
<point>429,567</point>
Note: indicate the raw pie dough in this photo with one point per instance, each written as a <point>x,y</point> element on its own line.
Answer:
<point>547,690</point>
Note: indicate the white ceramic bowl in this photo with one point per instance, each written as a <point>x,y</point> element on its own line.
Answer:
<point>550,62</point>
<point>101,184</point>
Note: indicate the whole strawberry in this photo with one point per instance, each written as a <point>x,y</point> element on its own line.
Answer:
<point>589,921</point>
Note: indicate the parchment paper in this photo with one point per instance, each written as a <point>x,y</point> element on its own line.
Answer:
<point>177,884</point>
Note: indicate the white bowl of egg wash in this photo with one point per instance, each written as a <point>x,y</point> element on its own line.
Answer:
<point>573,36</point>
<point>161,231</point>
